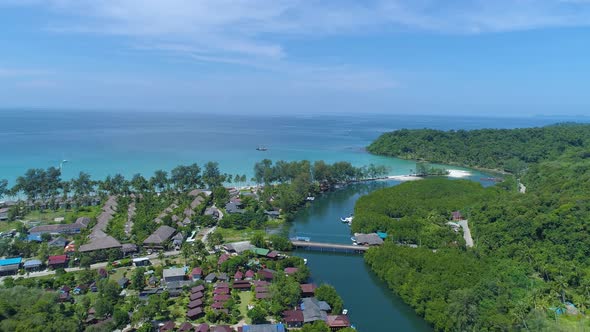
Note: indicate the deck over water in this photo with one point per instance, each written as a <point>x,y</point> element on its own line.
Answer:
<point>329,246</point>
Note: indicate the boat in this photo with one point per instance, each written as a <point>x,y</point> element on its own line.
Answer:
<point>310,198</point>
<point>301,238</point>
<point>305,261</point>
<point>345,311</point>
<point>347,220</point>
<point>261,148</point>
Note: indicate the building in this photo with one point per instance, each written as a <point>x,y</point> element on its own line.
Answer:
<point>60,242</point>
<point>312,310</point>
<point>234,207</point>
<point>57,229</point>
<point>371,239</point>
<point>10,266</point>
<point>337,322</point>
<point>456,216</point>
<point>58,262</point>
<point>196,296</point>
<point>260,251</point>
<point>141,261</point>
<point>100,241</point>
<point>264,328</point>
<point>222,258</point>
<point>210,278</point>
<point>267,274</point>
<point>194,313</point>
<point>196,289</point>
<point>195,303</point>
<point>174,274</point>
<point>307,290</point>
<point>4,214</point>
<point>293,318</point>
<point>33,265</point>
<point>238,247</point>
<point>196,274</point>
<point>159,238</point>
<point>123,282</point>
<point>291,270</point>
<point>186,327</point>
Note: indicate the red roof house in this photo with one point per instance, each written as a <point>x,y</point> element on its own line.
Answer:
<point>57,262</point>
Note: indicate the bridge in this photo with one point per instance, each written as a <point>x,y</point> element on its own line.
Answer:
<point>321,246</point>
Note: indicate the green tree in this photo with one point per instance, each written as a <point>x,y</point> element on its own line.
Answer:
<point>138,279</point>
<point>257,315</point>
<point>258,240</point>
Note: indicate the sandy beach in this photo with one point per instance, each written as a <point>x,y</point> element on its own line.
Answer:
<point>404,177</point>
<point>456,173</point>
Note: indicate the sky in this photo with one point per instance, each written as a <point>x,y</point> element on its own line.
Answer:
<point>477,57</point>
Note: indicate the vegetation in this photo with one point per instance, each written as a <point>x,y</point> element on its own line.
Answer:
<point>529,265</point>
<point>504,149</point>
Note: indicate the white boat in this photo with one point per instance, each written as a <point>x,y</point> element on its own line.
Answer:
<point>347,220</point>
<point>305,261</point>
<point>344,311</point>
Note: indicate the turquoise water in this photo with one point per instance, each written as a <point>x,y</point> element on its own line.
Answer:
<point>103,143</point>
<point>372,306</point>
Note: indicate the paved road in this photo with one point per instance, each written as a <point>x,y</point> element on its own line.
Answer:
<point>466,232</point>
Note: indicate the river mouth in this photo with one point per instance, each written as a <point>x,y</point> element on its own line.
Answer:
<point>371,305</point>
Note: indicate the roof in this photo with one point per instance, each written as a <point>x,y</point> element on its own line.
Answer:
<point>272,254</point>
<point>211,276</point>
<point>202,328</point>
<point>370,239</point>
<point>128,247</point>
<point>221,297</point>
<point>221,328</point>
<point>238,275</point>
<point>168,326</point>
<point>197,289</point>
<point>308,288</point>
<point>262,295</point>
<point>83,221</point>
<point>264,328</point>
<point>218,305</point>
<point>32,263</point>
<point>196,296</point>
<point>338,321</point>
<point>238,247</point>
<point>311,310</point>
<point>195,303</point>
<point>293,316</point>
<point>174,272</point>
<point>249,274</point>
<point>99,242</point>
<point>260,251</point>
<point>61,259</point>
<point>267,273</point>
<point>186,327</point>
<point>222,258</point>
<point>194,312</point>
<point>197,271</point>
<point>34,237</point>
<point>59,242</point>
<point>161,235</point>
<point>56,228</point>
<point>291,270</point>
<point>382,235</point>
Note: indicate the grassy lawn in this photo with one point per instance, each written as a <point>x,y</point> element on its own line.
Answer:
<point>70,216</point>
<point>234,235</point>
<point>120,272</point>
<point>6,226</point>
<point>245,298</point>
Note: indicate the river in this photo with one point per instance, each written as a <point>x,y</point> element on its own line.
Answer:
<point>372,306</point>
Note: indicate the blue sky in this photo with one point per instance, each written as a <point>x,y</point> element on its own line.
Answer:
<point>519,57</point>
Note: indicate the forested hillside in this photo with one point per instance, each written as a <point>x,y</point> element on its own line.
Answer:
<point>503,149</point>
<point>530,262</point>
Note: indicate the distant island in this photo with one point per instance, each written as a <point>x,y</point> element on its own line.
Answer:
<point>528,266</point>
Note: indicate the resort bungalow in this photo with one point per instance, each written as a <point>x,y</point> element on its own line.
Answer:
<point>169,326</point>
<point>291,270</point>
<point>197,289</point>
<point>57,229</point>
<point>234,207</point>
<point>186,327</point>
<point>194,313</point>
<point>264,328</point>
<point>249,275</point>
<point>238,247</point>
<point>196,296</point>
<point>32,265</point>
<point>195,303</point>
<point>337,322</point>
<point>222,258</point>
<point>202,328</point>
<point>128,248</point>
<point>238,276</point>
<point>100,241</point>
<point>196,274</point>
<point>10,265</point>
<point>242,285</point>
<point>57,262</point>
<point>221,328</point>
<point>159,238</point>
<point>174,274</point>
<point>267,274</point>
<point>293,318</point>
<point>308,290</point>
<point>222,276</point>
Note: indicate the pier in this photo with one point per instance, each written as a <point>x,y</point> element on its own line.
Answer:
<point>335,247</point>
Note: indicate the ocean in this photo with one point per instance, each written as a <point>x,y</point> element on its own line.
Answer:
<point>103,143</point>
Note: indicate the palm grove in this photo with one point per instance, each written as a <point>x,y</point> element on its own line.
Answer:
<point>529,268</point>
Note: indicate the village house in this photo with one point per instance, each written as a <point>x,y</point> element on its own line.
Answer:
<point>174,274</point>
<point>158,239</point>
<point>293,318</point>
<point>337,322</point>
<point>57,262</point>
<point>196,274</point>
<point>456,216</point>
<point>307,290</point>
<point>210,278</point>
<point>9,266</point>
<point>33,265</point>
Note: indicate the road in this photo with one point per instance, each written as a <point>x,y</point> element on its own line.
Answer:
<point>466,233</point>
<point>153,257</point>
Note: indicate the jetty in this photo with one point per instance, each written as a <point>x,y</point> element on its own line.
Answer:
<point>335,247</point>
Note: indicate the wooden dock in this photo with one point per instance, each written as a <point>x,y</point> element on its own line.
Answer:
<point>321,246</point>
